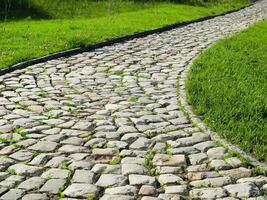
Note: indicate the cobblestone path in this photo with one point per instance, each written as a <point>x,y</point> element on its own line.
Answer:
<point>107,125</point>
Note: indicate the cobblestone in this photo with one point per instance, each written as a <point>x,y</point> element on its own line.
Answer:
<point>53,185</point>
<point>33,183</point>
<point>106,124</point>
<point>81,190</point>
<point>243,190</point>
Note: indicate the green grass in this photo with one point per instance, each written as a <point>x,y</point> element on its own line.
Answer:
<point>227,85</point>
<point>68,9</point>
<point>51,26</point>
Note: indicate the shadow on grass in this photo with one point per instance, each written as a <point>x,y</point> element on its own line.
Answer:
<point>188,2</point>
<point>21,9</point>
<point>48,9</point>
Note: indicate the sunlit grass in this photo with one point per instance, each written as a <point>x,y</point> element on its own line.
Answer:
<point>23,38</point>
<point>227,86</point>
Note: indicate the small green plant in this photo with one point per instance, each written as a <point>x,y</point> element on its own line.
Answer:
<point>75,112</point>
<point>26,162</point>
<point>133,99</point>
<point>202,130</point>
<point>8,140</point>
<point>76,91</point>
<point>148,159</point>
<point>149,164</point>
<point>41,93</point>
<point>69,104</point>
<point>155,171</point>
<point>94,146</point>
<point>183,110</point>
<point>232,153</point>
<point>122,75</point>
<point>35,153</point>
<point>62,94</point>
<point>256,171</point>
<point>151,134</point>
<point>218,143</point>
<point>90,198</point>
<point>115,161</point>
<point>109,69</point>
<point>70,174</point>
<point>48,178</point>
<point>88,137</point>
<point>60,193</point>
<point>169,148</point>
<point>21,131</point>
<point>69,98</point>
<point>49,115</point>
<point>11,171</point>
<point>63,165</point>
<point>18,106</point>
<point>245,161</point>
<point>4,140</point>
<point>163,186</point>
<point>114,86</point>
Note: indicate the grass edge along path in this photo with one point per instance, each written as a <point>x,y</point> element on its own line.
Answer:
<point>227,84</point>
<point>28,39</point>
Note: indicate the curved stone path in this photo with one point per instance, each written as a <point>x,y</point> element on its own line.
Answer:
<point>106,124</point>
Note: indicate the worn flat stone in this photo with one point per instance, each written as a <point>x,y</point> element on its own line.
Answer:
<point>208,193</point>
<point>56,173</point>
<point>22,155</point>
<point>81,190</point>
<point>35,197</point>
<point>127,169</point>
<point>73,149</point>
<point>212,182</point>
<point>141,180</point>
<point>22,169</point>
<point>53,185</point>
<point>147,190</point>
<point>116,197</point>
<point>44,146</point>
<point>237,173</point>
<point>12,181</point>
<point>169,160</point>
<point>258,180</point>
<point>122,190</point>
<point>169,179</point>
<point>13,194</point>
<point>33,183</point>
<point>83,176</point>
<point>243,190</point>
<point>217,152</point>
<point>108,180</point>
<point>176,189</point>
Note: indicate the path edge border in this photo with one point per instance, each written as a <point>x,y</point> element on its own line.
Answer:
<point>195,119</point>
<point>108,42</point>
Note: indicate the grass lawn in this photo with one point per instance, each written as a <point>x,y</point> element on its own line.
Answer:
<point>227,86</point>
<point>56,25</point>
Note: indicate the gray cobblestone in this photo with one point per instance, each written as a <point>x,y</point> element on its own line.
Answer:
<point>81,190</point>
<point>53,185</point>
